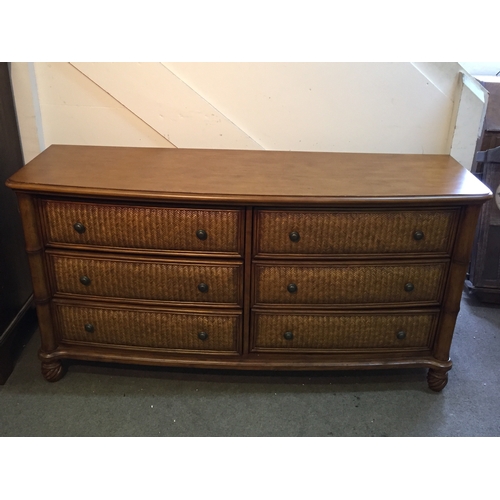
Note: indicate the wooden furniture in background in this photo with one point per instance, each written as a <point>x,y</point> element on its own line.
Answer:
<point>484,273</point>
<point>17,318</point>
<point>247,259</point>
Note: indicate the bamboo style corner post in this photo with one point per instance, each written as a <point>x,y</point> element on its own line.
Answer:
<point>51,369</point>
<point>438,377</point>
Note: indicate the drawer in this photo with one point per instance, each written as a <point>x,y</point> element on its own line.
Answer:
<point>337,233</point>
<point>303,332</point>
<point>141,279</point>
<point>327,285</point>
<point>175,230</point>
<point>148,328</point>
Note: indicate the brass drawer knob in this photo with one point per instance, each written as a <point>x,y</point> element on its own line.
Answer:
<point>294,236</point>
<point>89,327</point>
<point>418,235</point>
<point>409,287</point>
<point>201,234</point>
<point>203,287</point>
<point>203,335</point>
<point>292,287</point>
<point>401,335</point>
<point>288,335</point>
<point>85,280</point>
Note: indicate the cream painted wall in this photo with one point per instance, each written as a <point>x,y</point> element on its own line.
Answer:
<point>76,110</point>
<point>362,107</point>
<point>357,107</point>
<point>26,100</point>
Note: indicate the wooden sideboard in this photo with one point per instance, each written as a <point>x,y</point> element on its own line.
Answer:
<point>247,259</point>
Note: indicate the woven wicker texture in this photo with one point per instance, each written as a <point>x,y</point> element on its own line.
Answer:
<point>148,329</point>
<point>148,280</point>
<point>344,331</point>
<point>142,227</point>
<point>356,232</point>
<point>349,284</point>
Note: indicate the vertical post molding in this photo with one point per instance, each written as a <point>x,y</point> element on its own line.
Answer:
<point>34,249</point>
<point>455,281</point>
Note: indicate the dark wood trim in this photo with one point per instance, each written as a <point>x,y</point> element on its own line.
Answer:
<point>16,290</point>
<point>247,280</point>
<point>455,281</point>
<point>15,340</point>
<point>15,321</point>
<point>249,362</point>
<point>39,275</point>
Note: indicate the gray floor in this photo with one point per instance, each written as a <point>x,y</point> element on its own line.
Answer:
<point>100,400</point>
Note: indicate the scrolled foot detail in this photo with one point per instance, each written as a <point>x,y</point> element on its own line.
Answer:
<point>52,371</point>
<point>437,378</point>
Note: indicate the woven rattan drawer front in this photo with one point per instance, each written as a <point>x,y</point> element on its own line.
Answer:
<point>128,278</point>
<point>176,230</point>
<point>349,284</point>
<point>343,331</point>
<point>360,233</point>
<point>147,328</point>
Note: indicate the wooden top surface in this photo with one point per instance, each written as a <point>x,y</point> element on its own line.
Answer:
<point>260,177</point>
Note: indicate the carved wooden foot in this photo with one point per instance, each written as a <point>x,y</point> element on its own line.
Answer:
<point>437,378</point>
<point>52,371</point>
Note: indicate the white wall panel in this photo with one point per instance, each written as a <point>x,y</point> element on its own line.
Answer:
<point>96,126</point>
<point>25,97</point>
<point>358,107</point>
<point>472,103</point>
<point>362,107</point>
<point>167,104</point>
<point>76,111</point>
<point>443,75</point>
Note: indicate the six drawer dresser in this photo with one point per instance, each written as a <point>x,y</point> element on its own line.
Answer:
<point>247,259</point>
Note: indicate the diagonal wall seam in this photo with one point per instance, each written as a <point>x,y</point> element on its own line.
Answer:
<point>121,103</point>
<point>213,107</point>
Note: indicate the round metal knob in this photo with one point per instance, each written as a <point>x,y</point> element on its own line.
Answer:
<point>292,287</point>
<point>203,287</point>
<point>203,335</point>
<point>294,236</point>
<point>79,227</point>
<point>418,235</point>
<point>85,280</point>
<point>409,287</point>
<point>89,327</point>
<point>401,335</point>
<point>288,335</point>
<point>201,234</point>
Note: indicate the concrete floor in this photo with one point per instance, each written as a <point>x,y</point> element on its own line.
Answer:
<point>102,400</point>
